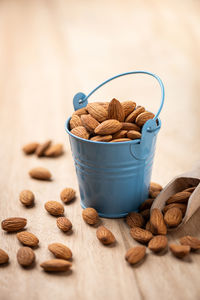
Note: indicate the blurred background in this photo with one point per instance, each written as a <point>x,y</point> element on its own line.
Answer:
<point>52,49</point>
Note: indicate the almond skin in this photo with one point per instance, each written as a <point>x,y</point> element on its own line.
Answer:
<point>128,107</point>
<point>89,123</point>
<point>135,254</point>
<point>40,173</point>
<point>158,243</point>
<point>81,132</point>
<point>67,195</point>
<point>4,258</point>
<point>54,208</point>
<point>181,197</point>
<point>179,250</point>
<point>157,222</point>
<point>30,148</point>
<point>141,235</point>
<point>97,111</point>
<point>146,204</point>
<point>56,265</point>
<point>133,135</point>
<point>102,138</point>
<point>134,219</point>
<point>27,198</point>
<point>143,118</point>
<point>130,126</point>
<point>181,206</point>
<point>80,112</point>
<point>120,140</point>
<point>25,256</point>
<point>191,241</point>
<point>60,251</point>
<point>64,224</point>
<point>190,190</point>
<point>75,121</point>
<point>120,134</point>
<point>173,217</point>
<point>54,150</point>
<point>13,224</point>
<point>132,116</point>
<point>42,148</point>
<point>105,236</point>
<point>155,186</point>
<point>90,216</point>
<point>115,110</point>
<point>27,238</point>
<point>108,127</point>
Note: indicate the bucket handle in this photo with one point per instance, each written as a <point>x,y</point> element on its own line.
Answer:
<point>80,99</point>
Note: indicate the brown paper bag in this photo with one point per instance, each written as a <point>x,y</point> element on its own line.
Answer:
<point>178,184</point>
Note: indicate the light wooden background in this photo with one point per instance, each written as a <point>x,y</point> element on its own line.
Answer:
<point>49,50</point>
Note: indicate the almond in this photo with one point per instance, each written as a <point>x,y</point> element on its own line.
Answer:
<point>158,243</point>
<point>54,208</point>
<point>40,173</point>
<point>115,110</point>
<point>54,150</point>
<point>67,195</point>
<point>105,236</point>
<point>130,126</point>
<point>56,265</point>
<point>120,134</point>
<point>190,189</point>
<point>27,238</point>
<point>134,219</point>
<point>30,148</point>
<point>13,224</point>
<point>60,251</point>
<point>157,222</point>
<point>146,204</point>
<point>173,217</point>
<point>4,258</point>
<point>104,104</point>
<point>133,135</point>
<point>108,127</point>
<point>153,194</point>
<point>81,132</point>
<point>75,121</point>
<point>191,241</point>
<point>181,206</point>
<point>128,107</point>
<point>155,186</point>
<point>141,235</point>
<point>27,197</point>
<point>64,224</point>
<point>133,115</point>
<point>80,112</point>
<point>135,254</point>
<point>97,111</point>
<point>143,118</point>
<point>42,148</point>
<point>89,123</point>
<point>101,138</point>
<point>25,256</point>
<point>181,197</point>
<point>145,213</point>
<point>179,250</point>
<point>90,216</point>
<point>149,227</point>
<point>120,140</point>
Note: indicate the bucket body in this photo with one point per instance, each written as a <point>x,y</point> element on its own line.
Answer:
<point>114,178</point>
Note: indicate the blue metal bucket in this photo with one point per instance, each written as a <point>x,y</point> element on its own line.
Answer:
<point>114,177</point>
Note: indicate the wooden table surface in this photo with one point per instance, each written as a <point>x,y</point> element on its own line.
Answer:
<point>49,50</point>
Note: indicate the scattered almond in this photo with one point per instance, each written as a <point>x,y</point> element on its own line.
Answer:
<point>67,195</point>
<point>13,224</point>
<point>155,186</point>
<point>181,197</point>
<point>141,235</point>
<point>60,251</point>
<point>89,123</point>
<point>191,241</point>
<point>27,197</point>
<point>145,213</point>
<point>101,138</point>
<point>158,243</point>
<point>4,258</point>
<point>173,217</point>
<point>108,127</point>
<point>179,250</point>
<point>27,238</point>
<point>40,173</point>
<point>42,148</point>
<point>75,121</point>
<point>153,194</point>
<point>54,150</point>
<point>115,110</point>
<point>54,208</point>
<point>133,135</point>
<point>146,204</point>
<point>181,206</point>
<point>30,148</point>
<point>56,265</point>
<point>134,219</point>
<point>128,107</point>
<point>81,132</point>
<point>135,254</point>
<point>64,224</point>
<point>25,256</point>
<point>90,216</point>
<point>132,116</point>
<point>105,236</point>
<point>97,111</point>
<point>157,222</point>
<point>143,118</point>
<point>190,189</point>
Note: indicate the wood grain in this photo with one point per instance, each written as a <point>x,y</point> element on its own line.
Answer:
<point>49,51</point>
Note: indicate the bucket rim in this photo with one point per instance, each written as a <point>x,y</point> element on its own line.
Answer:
<point>133,142</point>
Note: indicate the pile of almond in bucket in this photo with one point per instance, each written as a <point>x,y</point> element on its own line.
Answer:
<point>113,121</point>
